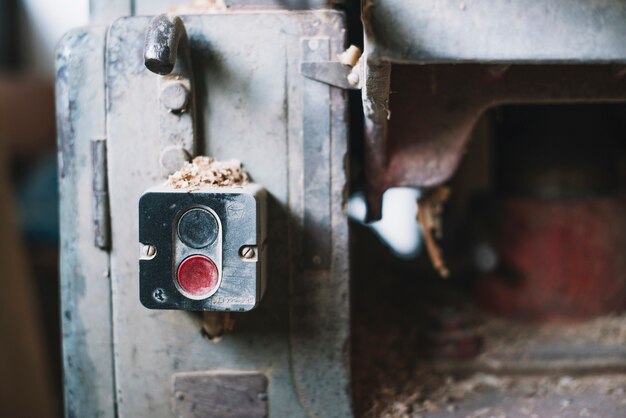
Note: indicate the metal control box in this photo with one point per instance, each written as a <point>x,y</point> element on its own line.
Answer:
<point>202,250</point>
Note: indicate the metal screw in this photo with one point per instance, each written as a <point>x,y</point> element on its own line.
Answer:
<point>180,395</point>
<point>159,295</point>
<point>247,252</point>
<point>150,250</point>
<point>175,96</point>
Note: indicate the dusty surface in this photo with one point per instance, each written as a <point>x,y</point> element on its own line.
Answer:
<point>607,330</point>
<point>207,171</point>
<point>485,395</point>
<point>413,357</point>
<point>521,370</point>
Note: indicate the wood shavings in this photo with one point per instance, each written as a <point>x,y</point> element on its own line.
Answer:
<point>430,210</point>
<point>215,324</point>
<point>350,56</point>
<point>207,171</point>
<point>530,395</point>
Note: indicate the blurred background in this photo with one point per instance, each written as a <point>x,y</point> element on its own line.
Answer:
<point>533,234</point>
<point>30,368</point>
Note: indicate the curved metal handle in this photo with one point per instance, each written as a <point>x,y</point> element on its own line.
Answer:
<point>167,46</point>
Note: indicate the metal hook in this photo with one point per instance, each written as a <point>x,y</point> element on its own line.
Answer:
<point>167,46</point>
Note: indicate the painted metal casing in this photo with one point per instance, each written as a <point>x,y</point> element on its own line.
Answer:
<point>253,104</point>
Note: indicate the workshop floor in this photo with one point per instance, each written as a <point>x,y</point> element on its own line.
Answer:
<point>420,349</point>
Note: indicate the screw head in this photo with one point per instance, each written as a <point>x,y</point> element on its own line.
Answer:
<point>150,251</point>
<point>159,295</point>
<point>247,252</point>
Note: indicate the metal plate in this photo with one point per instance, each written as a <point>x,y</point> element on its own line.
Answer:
<point>435,31</point>
<point>85,284</point>
<point>250,107</point>
<point>220,395</point>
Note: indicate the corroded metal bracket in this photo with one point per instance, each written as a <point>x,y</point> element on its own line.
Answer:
<point>333,73</point>
<point>166,52</point>
<point>100,194</point>
<point>445,73</point>
<point>225,394</point>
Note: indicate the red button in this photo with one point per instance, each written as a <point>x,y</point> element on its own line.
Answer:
<point>198,276</point>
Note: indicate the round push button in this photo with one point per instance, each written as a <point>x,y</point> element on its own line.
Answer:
<point>197,228</point>
<point>198,276</point>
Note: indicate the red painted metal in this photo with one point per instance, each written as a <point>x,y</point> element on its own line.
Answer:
<point>559,259</point>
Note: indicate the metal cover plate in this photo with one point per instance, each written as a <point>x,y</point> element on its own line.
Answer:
<point>496,31</point>
<point>159,210</point>
<point>220,395</point>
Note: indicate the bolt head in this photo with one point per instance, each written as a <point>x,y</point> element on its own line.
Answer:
<point>172,159</point>
<point>175,96</point>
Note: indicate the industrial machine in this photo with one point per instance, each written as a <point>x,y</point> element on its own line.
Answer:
<point>149,332</point>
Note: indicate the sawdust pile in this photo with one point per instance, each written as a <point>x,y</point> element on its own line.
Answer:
<point>207,171</point>
<point>509,336</point>
<point>437,393</point>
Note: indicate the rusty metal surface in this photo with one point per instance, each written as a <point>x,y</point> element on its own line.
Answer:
<point>433,109</point>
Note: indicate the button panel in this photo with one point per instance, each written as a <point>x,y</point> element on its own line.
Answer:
<point>202,250</point>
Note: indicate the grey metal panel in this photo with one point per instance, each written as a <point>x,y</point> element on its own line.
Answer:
<point>105,11</point>
<point>316,161</point>
<point>251,105</point>
<point>153,7</point>
<point>147,7</point>
<point>85,284</point>
<point>496,31</point>
<point>320,317</point>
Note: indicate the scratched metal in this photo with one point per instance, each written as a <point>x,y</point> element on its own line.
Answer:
<point>249,93</point>
<point>316,161</point>
<point>143,7</point>
<point>521,31</point>
<point>85,285</point>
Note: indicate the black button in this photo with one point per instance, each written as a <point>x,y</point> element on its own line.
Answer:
<point>197,228</point>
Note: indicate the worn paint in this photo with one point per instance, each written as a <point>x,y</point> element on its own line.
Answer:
<point>250,96</point>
